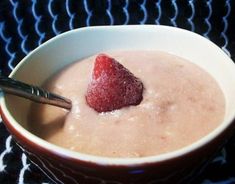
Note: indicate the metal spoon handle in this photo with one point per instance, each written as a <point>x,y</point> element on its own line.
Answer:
<point>34,93</point>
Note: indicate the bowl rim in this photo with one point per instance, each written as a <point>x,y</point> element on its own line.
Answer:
<point>20,132</point>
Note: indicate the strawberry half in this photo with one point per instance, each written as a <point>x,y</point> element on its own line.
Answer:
<point>112,86</point>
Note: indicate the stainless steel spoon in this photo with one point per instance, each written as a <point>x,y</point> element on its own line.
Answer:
<point>34,93</point>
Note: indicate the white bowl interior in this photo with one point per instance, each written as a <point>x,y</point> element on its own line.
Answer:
<point>74,45</point>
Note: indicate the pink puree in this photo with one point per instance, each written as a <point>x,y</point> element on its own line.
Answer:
<point>181,104</point>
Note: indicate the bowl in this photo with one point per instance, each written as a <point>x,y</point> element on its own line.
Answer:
<point>65,166</point>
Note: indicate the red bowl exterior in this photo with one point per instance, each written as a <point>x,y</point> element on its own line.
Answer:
<point>63,169</point>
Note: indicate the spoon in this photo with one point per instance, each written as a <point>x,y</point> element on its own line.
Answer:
<point>34,93</point>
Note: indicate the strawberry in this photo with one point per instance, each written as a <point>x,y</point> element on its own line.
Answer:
<point>112,86</point>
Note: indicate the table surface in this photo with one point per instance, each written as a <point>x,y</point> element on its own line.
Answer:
<point>26,24</point>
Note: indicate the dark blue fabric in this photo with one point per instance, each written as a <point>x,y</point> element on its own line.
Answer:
<point>26,24</point>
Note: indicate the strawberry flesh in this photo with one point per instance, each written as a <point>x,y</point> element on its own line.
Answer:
<point>112,86</point>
